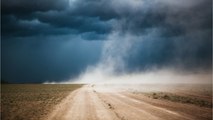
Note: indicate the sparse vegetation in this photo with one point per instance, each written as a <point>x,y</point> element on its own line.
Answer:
<point>177,98</point>
<point>34,101</point>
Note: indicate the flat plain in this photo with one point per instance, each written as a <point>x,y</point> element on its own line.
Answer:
<point>31,101</point>
<point>107,102</point>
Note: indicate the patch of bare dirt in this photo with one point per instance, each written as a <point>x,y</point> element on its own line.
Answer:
<point>89,103</point>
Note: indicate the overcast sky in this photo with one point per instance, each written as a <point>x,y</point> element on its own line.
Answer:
<point>55,40</point>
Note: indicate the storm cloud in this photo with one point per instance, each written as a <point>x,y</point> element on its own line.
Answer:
<point>55,40</point>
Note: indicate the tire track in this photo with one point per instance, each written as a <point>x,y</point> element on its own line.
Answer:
<point>154,110</point>
<point>87,103</point>
<point>126,111</point>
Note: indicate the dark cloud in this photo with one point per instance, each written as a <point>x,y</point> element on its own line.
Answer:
<point>53,59</point>
<point>25,7</point>
<point>52,40</point>
<point>102,16</point>
<point>182,53</point>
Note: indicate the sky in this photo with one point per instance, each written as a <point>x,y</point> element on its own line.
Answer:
<point>59,40</point>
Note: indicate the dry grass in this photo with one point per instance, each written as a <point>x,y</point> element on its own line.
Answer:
<point>179,98</point>
<point>31,101</point>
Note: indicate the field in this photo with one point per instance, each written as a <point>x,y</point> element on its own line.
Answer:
<point>31,101</point>
<point>107,102</point>
<point>180,98</point>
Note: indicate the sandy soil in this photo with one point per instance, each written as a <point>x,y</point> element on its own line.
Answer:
<point>91,103</point>
<point>32,101</point>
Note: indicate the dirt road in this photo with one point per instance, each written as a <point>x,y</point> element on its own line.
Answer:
<point>90,103</point>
